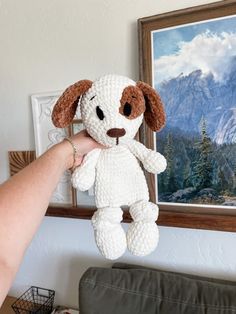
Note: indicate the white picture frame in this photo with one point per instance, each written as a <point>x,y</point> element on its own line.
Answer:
<point>46,135</point>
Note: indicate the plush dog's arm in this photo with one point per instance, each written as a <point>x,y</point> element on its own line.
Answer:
<point>152,161</point>
<point>83,177</point>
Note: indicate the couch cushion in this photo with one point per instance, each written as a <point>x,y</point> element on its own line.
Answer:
<point>133,289</point>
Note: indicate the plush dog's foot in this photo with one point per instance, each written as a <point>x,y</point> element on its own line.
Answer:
<point>142,238</point>
<point>143,235</point>
<point>109,235</point>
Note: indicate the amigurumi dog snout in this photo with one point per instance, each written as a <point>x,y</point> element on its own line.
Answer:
<point>112,109</point>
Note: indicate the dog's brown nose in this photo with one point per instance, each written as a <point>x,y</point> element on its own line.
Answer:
<point>116,132</point>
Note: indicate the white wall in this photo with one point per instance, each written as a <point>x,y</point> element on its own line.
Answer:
<point>45,46</point>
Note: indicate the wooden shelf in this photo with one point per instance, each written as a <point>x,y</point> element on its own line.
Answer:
<point>179,218</point>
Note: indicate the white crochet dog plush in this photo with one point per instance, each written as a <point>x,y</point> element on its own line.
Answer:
<point>112,110</point>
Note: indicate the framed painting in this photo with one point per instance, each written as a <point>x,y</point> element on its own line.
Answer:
<point>189,57</point>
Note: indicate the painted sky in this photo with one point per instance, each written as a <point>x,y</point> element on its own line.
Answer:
<point>208,46</point>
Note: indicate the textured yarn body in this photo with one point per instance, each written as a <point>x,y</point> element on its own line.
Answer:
<point>119,178</point>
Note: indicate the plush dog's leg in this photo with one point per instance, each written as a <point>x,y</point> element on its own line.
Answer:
<point>143,235</point>
<point>109,235</point>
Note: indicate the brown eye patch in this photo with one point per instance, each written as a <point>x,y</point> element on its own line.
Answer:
<point>132,102</point>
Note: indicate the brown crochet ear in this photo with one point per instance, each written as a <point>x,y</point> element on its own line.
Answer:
<point>154,114</point>
<point>65,108</point>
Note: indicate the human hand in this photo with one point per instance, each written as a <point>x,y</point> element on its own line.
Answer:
<point>85,144</point>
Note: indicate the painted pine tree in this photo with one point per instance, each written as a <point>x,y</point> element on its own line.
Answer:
<point>169,178</point>
<point>203,169</point>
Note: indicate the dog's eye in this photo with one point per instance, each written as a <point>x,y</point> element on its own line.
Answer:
<point>99,113</point>
<point>127,109</point>
<point>92,97</point>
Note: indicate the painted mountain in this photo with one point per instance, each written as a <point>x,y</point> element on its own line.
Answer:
<point>199,140</point>
<point>189,98</point>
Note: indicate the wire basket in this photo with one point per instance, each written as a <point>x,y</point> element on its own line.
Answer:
<point>35,300</point>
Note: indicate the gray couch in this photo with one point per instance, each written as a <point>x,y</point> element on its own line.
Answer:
<point>131,289</point>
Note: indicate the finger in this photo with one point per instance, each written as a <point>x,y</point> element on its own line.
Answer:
<point>78,161</point>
